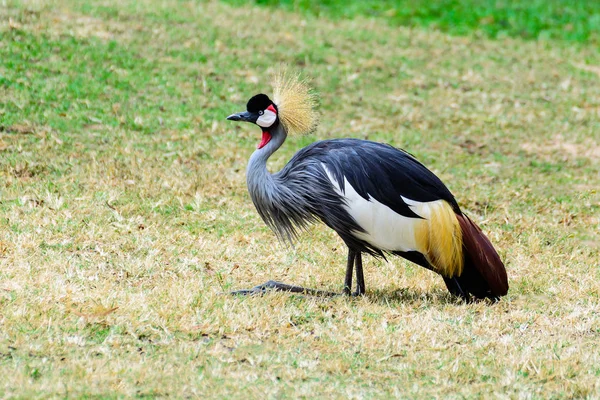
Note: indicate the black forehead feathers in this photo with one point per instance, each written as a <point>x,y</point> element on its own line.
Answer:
<point>258,103</point>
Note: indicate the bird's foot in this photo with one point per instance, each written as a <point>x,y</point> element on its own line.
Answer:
<point>357,293</point>
<point>282,287</point>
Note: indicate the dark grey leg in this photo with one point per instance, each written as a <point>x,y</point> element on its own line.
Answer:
<point>349,271</point>
<point>279,286</point>
<point>360,279</point>
<point>354,261</point>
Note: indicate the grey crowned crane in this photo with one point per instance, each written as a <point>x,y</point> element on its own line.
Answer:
<point>380,200</point>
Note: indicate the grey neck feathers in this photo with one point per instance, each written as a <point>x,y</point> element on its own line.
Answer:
<point>280,205</point>
<point>260,181</point>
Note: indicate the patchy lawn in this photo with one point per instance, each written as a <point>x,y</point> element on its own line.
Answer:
<point>124,213</point>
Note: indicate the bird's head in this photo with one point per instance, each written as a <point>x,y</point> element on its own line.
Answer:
<point>261,111</point>
<point>293,108</point>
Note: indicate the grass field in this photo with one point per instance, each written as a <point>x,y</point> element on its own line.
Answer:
<point>124,213</point>
<point>529,19</point>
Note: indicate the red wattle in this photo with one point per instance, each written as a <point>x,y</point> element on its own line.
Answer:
<point>266,137</point>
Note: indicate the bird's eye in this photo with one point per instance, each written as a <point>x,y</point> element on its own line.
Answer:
<point>261,112</point>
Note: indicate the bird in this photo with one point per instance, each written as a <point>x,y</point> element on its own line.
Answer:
<point>379,199</point>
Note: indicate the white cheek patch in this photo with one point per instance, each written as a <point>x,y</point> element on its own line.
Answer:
<point>267,119</point>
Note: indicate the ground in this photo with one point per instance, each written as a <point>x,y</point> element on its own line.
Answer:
<point>125,217</point>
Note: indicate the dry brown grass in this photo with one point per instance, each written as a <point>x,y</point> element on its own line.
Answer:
<point>124,213</point>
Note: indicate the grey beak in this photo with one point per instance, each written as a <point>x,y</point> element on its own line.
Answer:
<point>242,116</point>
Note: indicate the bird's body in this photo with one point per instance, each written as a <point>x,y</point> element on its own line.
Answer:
<point>366,191</point>
<point>379,199</point>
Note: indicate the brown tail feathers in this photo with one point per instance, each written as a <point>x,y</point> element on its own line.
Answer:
<point>483,273</point>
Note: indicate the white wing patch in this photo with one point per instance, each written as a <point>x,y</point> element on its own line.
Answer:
<point>384,228</point>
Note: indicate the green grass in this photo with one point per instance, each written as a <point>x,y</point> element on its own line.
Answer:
<point>535,19</point>
<point>124,213</point>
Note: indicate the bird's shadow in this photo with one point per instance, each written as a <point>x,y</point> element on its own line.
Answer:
<point>413,296</point>
<point>387,297</point>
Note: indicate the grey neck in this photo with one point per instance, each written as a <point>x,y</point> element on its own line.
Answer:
<point>280,202</point>
<point>258,178</point>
